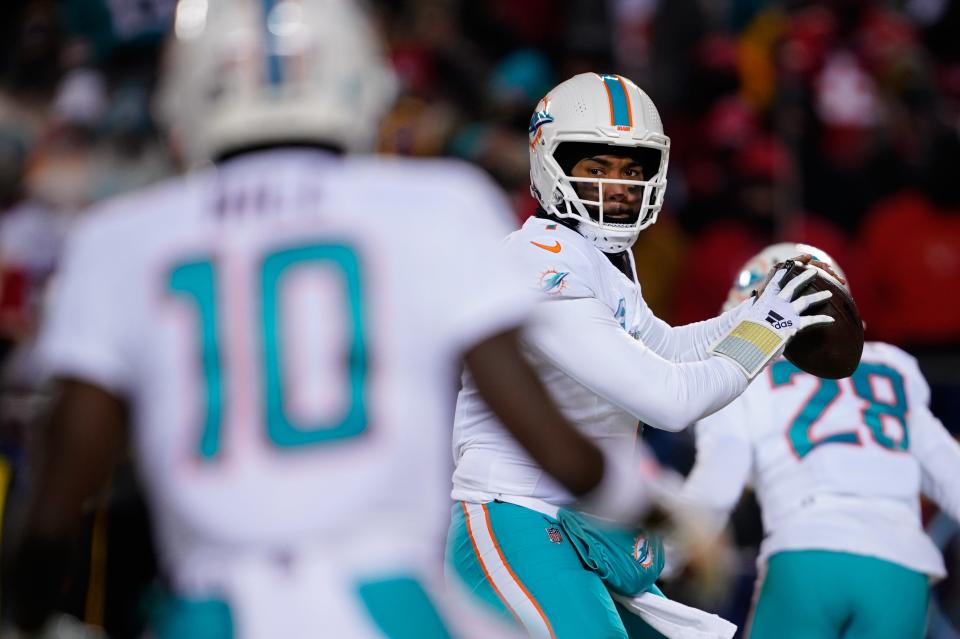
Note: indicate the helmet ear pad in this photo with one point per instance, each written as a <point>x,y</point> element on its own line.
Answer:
<point>567,154</point>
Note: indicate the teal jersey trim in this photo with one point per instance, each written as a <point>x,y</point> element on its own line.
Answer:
<point>178,618</point>
<point>402,609</point>
<point>195,280</point>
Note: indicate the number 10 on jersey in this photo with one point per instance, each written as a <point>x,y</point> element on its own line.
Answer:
<point>198,281</point>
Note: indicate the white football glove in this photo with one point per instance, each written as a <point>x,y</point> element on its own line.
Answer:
<point>770,321</point>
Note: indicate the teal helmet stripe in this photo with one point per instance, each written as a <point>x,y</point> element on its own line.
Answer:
<point>619,102</point>
<point>274,64</point>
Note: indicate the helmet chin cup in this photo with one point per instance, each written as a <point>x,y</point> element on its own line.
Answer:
<point>607,240</point>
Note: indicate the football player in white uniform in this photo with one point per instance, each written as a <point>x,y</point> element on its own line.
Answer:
<point>284,344</point>
<point>838,467</point>
<point>598,170</point>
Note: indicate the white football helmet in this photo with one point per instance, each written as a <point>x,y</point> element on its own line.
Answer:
<point>243,73</point>
<point>596,109</point>
<point>755,270</point>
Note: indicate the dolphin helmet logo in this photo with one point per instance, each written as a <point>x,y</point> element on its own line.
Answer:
<point>537,120</point>
<point>540,117</point>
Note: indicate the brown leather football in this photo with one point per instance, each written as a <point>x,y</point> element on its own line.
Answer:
<point>827,350</point>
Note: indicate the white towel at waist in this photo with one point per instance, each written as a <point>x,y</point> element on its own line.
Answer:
<point>675,620</point>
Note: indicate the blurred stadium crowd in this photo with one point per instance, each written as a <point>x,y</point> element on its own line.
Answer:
<point>833,123</point>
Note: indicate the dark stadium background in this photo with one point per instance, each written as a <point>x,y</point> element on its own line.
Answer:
<point>835,123</point>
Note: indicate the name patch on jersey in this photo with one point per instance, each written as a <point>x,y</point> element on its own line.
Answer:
<point>553,282</point>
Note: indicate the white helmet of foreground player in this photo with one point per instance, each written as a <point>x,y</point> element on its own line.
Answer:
<point>757,267</point>
<point>577,115</point>
<point>243,73</point>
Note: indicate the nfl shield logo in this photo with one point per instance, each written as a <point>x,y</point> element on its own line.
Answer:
<point>554,535</point>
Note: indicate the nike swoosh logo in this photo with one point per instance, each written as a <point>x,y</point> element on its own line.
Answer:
<point>546,247</point>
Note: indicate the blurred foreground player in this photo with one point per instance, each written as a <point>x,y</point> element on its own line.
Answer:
<point>598,166</point>
<point>284,346</point>
<point>838,467</point>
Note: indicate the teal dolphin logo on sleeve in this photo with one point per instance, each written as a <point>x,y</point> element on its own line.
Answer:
<point>552,281</point>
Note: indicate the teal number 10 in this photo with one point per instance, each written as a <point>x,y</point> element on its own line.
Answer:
<point>197,281</point>
<point>799,432</point>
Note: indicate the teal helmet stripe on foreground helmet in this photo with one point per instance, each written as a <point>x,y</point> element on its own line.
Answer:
<point>274,62</point>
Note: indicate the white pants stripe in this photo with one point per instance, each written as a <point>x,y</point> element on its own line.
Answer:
<point>501,576</point>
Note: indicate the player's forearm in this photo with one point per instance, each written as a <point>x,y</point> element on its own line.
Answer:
<point>674,396</point>
<point>514,393</point>
<point>78,448</point>
<point>44,544</point>
<point>581,339</point>
<point>688,343</point>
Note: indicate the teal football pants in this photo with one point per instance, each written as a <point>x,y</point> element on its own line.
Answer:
<point>818,594</point>
<point>520,563</point>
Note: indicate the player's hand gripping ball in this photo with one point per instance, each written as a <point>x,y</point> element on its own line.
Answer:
<point>826,350</point>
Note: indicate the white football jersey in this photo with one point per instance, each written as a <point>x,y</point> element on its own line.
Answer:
<point>288,328</point>
<point>835,464</point>
<point>559,263</point>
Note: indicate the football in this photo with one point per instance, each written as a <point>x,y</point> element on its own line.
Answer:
<point>827,350</point>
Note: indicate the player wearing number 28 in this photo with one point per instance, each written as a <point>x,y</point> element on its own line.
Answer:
<point>285,342</point>
<point>838,467</point>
